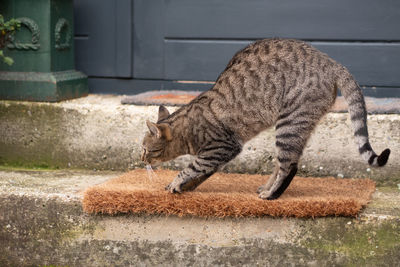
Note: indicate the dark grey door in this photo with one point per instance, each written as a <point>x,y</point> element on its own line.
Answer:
<point>192,40</point>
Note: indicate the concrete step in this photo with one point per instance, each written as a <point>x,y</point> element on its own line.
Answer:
<point>42,224</point>
<point>97,132</point>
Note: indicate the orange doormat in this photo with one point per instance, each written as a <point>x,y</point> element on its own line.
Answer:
<point>227,195</point>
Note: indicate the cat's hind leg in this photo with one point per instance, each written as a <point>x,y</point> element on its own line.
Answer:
<point>291,137</point>
<point>206,164</point>
<point>277,184</point>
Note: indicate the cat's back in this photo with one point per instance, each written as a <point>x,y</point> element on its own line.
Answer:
<point>265,68</point>
<point>283,54</point>
<point>249,93</point>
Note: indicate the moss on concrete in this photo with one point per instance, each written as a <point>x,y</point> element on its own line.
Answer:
<point>39,128</point>
<point>19,166</point>
<point>357,243</point>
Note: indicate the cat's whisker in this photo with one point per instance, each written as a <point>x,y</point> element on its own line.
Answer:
<point>150,172</point>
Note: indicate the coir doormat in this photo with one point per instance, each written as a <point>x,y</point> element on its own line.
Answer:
<point>224,195</point>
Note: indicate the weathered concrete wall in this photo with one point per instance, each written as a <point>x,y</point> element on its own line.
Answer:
<point>41,224</point>
<point>97,132</point>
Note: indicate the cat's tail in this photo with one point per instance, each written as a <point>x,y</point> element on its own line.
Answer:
<point>358,115</point>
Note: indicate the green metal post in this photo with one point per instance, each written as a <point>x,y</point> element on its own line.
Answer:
<point>43,53</point>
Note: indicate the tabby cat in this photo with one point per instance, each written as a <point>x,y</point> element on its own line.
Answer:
<point>286,83</point>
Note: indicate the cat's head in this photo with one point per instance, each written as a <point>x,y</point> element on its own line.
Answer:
<point>155,141</point>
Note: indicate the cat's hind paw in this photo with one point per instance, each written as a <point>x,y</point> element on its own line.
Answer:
<point>261,189</point>
<point>267,194</point>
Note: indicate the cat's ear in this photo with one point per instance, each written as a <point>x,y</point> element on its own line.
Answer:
<point>153,128</point>
<point>163,113</point>
<point>160,130</point>
<point>165,130</point>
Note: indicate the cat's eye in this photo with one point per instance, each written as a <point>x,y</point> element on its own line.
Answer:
<point>155,150</point>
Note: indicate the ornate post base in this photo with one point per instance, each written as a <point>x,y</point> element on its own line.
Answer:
<point>38,86</point>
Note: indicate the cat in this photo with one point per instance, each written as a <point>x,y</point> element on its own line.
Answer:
<point>282,82</point>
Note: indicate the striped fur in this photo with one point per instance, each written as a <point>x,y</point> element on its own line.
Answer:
<point>286,83</point>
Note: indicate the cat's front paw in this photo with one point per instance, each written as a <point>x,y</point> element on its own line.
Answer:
<point>179,186</point>
<point>174,187</point>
